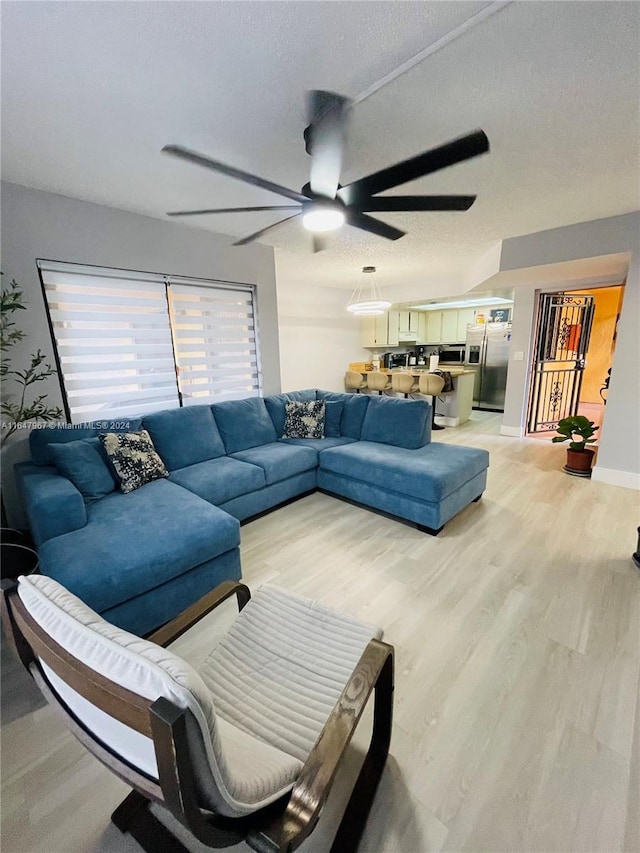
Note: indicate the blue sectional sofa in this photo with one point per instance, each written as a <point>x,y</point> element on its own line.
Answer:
<point>140,558</point>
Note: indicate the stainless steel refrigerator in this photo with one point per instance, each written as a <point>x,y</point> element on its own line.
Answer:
<point>487,352</point>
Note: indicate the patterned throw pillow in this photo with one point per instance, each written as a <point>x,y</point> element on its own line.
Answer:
<point>304,420</point>
<point>134,457</point>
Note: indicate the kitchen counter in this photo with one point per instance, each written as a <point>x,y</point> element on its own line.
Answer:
<point>453,408</point>
<point>453,369</point>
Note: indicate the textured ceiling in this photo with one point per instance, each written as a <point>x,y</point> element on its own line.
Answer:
<point>92,91</point>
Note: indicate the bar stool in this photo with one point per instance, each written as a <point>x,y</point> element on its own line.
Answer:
<point>354,381</point>
<point>431,385</point>
<point>378,381</point>
<point>403,383</point>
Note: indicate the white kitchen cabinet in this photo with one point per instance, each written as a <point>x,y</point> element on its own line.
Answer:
<point>449,327</point>
<point>408,321</point>
<point>393,328</point>
<point>374,331</point>
<point>434,327</point>
<point>422,327</point>
<point>465,316</point>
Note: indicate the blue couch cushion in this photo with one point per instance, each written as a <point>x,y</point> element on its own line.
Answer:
<point>135,542</point>
<point>393,420</point>
<point>220,480</point>
<point>279,460</point>
<point>305,395</point>
<point>355,407</point>
<point>429,473</point>
<point>276,407</point>
<point>185,436</point>
<point>244,423</point>
<point>332,418</point>
<point>40,439</point>
<point>84,462</point>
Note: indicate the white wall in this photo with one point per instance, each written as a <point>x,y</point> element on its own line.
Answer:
<point>619,446</point>
<point>318,337</point>
<point>38,224</point>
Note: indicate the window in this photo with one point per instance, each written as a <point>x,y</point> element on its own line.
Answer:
<point>215,342</point>
<point>130,343</point>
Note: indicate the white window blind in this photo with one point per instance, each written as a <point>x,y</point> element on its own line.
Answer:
<point>125,340</point>
<point>215,342</point>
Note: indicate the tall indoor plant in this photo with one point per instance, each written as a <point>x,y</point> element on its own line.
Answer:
<point>18,404</point>
<point>578,431</point>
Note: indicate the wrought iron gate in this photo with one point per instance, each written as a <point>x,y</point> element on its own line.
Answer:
<point>564,328</point>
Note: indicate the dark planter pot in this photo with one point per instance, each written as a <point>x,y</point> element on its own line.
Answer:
<point>579,462</point>
<point>16,557</point>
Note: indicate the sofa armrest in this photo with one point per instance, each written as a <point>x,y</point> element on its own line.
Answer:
<point>52,504</point>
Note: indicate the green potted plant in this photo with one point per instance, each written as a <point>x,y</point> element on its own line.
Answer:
<point>578,431</point>
<point>19,405</point>
<point>25,406</point>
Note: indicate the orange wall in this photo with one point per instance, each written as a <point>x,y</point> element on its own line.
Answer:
<point>608,302</point>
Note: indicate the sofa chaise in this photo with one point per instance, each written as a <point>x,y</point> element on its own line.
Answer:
<point>140,558</point>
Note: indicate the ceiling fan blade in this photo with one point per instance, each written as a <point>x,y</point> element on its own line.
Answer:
<point>233,210</point>
<point>319,244</point>
<point>230,171</point>
<point>445,155</point>
<point>325,140</point>
<point>251,237</point>
<point>402,203</point>
<point>368,223</point>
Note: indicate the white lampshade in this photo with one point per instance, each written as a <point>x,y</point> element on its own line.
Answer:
<point>366,299</point>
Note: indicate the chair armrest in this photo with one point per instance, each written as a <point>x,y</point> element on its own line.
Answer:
<point>52,504</point>
<point>288,831</point>
<point>197,611</point>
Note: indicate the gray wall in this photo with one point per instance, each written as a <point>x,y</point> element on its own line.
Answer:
<point>38,224</point>
<point>619,453</point>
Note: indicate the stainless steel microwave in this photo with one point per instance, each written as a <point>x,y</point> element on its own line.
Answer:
<point>453,354</point>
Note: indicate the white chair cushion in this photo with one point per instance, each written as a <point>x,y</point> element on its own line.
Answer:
<point>236,773</point>
<point>282,666</point>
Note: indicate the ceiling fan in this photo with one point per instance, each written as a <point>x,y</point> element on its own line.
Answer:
<point>323,202</point>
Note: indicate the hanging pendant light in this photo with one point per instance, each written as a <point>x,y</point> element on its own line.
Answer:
<point>366,298</point>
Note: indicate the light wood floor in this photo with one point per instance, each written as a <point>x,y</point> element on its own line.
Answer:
<point>517,632</point>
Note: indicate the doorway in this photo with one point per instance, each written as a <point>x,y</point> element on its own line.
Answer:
<point>575,341</point>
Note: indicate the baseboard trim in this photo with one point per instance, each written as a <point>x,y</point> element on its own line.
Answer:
<point>613,477</point>
<point>513,432</point>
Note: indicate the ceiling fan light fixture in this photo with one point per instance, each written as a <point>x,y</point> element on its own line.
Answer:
<point>366,299</point>
<point>323,217</point>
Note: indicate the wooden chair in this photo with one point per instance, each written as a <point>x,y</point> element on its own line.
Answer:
<point>186,738</point>
<point>431,385</point>
<point>354,381</point>
<point>378,381</point>
<point>403,383</point>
